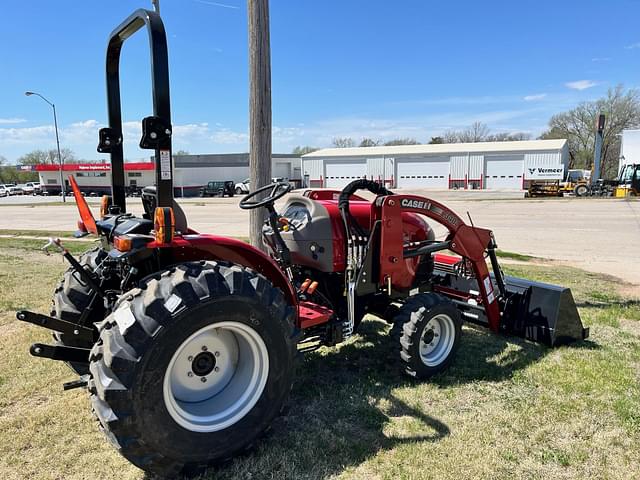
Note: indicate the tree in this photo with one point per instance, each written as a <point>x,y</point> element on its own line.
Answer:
<point>343,142</point>
<point>303,150</point>
<point>259,109</point>
<point>436,141</point>
<point>401,141</point>
<point>477,132</point>
<point>181,152</point>
<point>578,126</point>
<point>41,157</point>
<point>10,174</point>
<point>508,137</point>
<point>369,142</point>
<point>450,136</point>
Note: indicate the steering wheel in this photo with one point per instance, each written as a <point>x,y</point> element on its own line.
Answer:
<point>277,191</point>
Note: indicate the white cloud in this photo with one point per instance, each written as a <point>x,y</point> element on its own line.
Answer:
<point>11,121</point>
<point>82,136</point>
<point>226,136</point>
<point>601,59</point>
<point>633,46</point>
<point>533,98</point>
<point>26,135</point>
<point>456,101</point>
<point>217,4</point>
<point>581,84</point>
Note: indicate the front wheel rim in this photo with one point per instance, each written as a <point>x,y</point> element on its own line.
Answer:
<point>437,340</point>
<point>216,376</point>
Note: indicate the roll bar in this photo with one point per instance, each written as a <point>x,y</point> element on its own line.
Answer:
<point>157,129</point>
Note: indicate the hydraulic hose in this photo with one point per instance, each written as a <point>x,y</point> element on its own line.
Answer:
<point>354,243</point>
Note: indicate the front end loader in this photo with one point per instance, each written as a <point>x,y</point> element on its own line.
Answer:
<point>186,342</point>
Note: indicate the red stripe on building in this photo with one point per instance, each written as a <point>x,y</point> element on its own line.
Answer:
<point>94,167</point>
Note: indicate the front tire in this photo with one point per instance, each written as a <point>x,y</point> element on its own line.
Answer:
<point>222,323</point>
<point>428,327</point>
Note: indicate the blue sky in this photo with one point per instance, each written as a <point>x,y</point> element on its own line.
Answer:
<point>356,68</point>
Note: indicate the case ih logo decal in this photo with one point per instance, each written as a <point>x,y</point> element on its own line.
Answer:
<point>408,203</point>
<point>422,205</point>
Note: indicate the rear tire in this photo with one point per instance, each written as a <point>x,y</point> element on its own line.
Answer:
<point>581,190</point>
<point>163,339</point>
<point>428,328</point>
<point>238,191</point>
<point>71,298</point>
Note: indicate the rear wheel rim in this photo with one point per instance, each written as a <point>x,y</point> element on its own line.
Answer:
<point>216,376</point>
<point>437,340</point>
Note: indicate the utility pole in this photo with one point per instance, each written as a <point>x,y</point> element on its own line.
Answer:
<point>259,109</point>
<point>597,153</point>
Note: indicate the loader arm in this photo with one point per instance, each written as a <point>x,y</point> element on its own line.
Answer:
<point>467,241</point>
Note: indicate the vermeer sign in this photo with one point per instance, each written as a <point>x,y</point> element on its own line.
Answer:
<point>544,173</point>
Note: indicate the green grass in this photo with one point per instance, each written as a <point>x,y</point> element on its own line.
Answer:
<point>514,256</point>
<point>53,203</point>
<point>34,246</point>
<point>37,233</point>
<point>505,408</point>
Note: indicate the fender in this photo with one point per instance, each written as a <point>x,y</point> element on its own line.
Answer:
<point>197,246</point>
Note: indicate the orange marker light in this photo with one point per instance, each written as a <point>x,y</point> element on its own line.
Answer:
<point>312,288</point>
<point>305,285</point>
<point>122,243</point>
<point>105,203</point>
<point>164,224</point>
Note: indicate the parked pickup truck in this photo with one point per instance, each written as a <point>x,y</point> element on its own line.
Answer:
<point>218,189</point>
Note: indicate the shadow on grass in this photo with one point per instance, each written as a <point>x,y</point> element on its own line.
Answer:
<point>343,409</point>
<point>609,304</point>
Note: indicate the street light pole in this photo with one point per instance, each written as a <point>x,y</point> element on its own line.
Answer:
<point>55,123</point>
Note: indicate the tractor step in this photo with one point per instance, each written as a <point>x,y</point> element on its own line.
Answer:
<point>60,352</point>
<point>55,324</point>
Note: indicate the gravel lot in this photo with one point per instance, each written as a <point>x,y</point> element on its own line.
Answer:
<point>599,235</point>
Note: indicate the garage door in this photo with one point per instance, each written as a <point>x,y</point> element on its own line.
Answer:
<point>339,174</point>
<point>281,170</point>
<point>504,171</point>
<point>422,173</point>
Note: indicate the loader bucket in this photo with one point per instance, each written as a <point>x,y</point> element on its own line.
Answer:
<point>541,312</point>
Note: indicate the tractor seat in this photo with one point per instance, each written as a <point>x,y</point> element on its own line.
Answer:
<point>149,202</point>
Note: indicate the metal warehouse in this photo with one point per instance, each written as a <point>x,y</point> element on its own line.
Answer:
<point>190,172</point>
<point>483,165</point>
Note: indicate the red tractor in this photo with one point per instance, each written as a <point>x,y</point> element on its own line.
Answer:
<point>186,342</point>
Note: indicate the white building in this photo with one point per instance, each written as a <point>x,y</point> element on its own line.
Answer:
<point>191,172</point>
<point>484,165</point>
<point>630,148</point>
